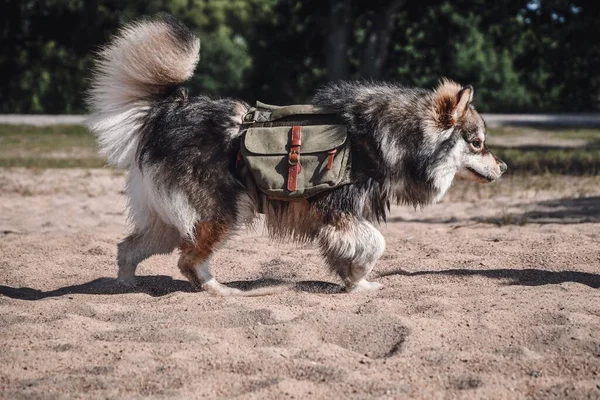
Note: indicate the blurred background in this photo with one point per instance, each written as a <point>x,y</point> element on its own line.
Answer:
<point>521,55</point>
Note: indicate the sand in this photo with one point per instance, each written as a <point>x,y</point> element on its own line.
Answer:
<point>494,293</point>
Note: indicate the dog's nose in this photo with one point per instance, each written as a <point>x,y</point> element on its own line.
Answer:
<point>503,167</point>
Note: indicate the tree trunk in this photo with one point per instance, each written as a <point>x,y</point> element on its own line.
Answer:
<point>375,49</point>
<point>338,31</point>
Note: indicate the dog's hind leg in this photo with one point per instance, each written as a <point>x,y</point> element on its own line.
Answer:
<point>194,262</point>
<point>352,247</point>
<point>157,238</point>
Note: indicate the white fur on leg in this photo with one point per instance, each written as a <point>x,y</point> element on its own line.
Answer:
<point>210,284</point>
<point>353,251</point>
<point>363,286</point>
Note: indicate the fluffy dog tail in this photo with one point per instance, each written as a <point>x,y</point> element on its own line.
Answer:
<point>142,63</point>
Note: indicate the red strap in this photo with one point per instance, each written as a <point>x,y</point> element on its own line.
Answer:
<point>331,154</point>
<point>296,136</point>
<point>294,158</point>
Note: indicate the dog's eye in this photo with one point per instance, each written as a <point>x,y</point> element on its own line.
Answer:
<point>476,143</point>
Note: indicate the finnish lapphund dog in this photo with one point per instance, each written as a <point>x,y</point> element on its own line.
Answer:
<point>184,190</point>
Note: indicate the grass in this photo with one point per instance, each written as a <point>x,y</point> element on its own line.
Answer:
<point>578,161</point>
<point>556,151</point>
<point>60,146</point>
<point>44,139</point>
<point>547,132</point>
<point>49,162</point>
<point>529,186</point>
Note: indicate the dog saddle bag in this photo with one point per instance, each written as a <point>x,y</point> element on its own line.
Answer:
<point>295,152</point>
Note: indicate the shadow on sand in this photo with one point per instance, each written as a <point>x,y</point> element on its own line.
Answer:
<point>563,211</point>
<point>524,277</point>
<point>161,285</point>
<point>556,211</point>
<point>157,286</point>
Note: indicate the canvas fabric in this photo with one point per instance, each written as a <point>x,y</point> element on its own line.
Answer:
<point>323,156</point>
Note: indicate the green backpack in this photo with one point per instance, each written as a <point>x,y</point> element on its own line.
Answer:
<point>295,152</point>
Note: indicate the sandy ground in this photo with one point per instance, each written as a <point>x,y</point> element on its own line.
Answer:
<point>493,293</point>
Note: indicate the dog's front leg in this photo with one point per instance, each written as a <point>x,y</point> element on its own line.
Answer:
<point>194,261</point>
<point>352,247</point>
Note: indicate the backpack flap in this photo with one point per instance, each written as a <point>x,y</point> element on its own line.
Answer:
<point>297,161</point>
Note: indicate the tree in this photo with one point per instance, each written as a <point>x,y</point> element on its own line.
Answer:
<point>337,31</point>
<point>45,66</point>
<point>522,55</point>
<point>379,28</point>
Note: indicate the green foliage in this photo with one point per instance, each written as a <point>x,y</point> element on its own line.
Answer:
<point>223,26</point>
<point>561,151</point>
<point>287,53</point>
<point>49,46</point>
<point>223,73</point>
<point>489,68</point>
<point>469,54</point>
<point>521,55</point>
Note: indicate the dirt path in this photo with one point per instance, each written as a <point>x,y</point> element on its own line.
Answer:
<point>495,293</point>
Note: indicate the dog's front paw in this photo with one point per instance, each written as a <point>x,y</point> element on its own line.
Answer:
<point>362,286</point>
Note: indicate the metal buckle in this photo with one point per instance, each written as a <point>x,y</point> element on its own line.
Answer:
<point>249,117</point>
<point>293,157</point>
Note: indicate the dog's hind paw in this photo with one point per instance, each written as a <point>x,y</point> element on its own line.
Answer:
<point>126,277</point>
<point>363,286</point>
<point>214,287</point>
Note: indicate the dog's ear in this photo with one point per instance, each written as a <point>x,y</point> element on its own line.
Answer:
<point>463,99</point>
<point>450,102</point>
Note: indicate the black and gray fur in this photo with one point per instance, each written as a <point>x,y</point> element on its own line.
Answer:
<point>183,185</point>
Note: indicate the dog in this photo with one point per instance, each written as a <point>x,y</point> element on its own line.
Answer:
<point>184,190</point>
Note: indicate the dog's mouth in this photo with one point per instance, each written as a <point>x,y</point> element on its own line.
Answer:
<point>480,176</point>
